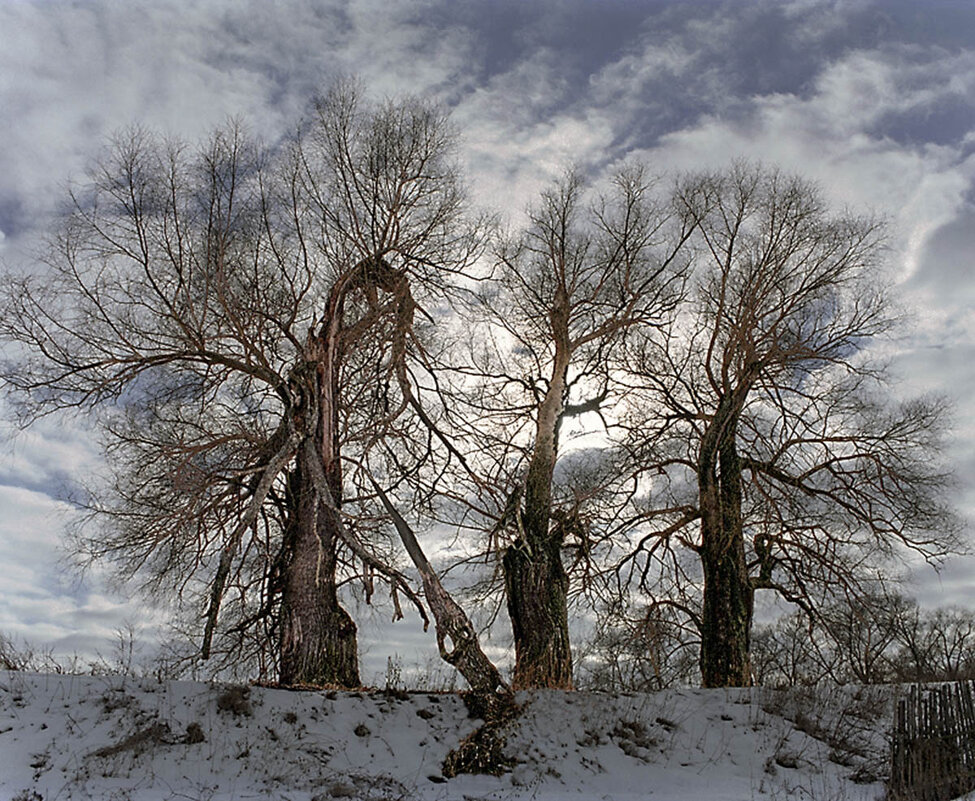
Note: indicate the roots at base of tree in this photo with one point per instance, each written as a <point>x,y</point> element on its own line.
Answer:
<point>482,751</point>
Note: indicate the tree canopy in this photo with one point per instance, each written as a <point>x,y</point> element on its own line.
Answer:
<point>255,331</point>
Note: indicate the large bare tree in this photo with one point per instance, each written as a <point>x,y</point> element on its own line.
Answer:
<point>238,319</point>
<point>773,438</point>
<point>566,290</point>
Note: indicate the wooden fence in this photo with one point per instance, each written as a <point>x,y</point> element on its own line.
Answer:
<point>933,743</point>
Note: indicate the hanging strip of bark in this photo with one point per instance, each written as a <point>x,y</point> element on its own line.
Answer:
<point>396,579</point>
<point>274,467</point>
<point>451,621</point>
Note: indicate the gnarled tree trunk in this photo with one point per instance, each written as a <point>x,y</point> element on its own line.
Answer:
<point>318,637</point>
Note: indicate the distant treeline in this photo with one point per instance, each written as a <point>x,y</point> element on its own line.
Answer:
<point>883,638</point>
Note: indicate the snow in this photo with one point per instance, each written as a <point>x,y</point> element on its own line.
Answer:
<point>72,737</point>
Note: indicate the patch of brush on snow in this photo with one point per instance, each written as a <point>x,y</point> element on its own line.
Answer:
<point>484,749</point>
<point>67,737</point>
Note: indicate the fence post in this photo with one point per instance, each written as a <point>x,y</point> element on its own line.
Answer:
<point>932,748</point>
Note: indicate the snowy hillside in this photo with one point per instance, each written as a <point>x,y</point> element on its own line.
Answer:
<point>69,737</point>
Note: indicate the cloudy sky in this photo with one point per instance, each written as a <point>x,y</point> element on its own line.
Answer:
<point>873,99</point>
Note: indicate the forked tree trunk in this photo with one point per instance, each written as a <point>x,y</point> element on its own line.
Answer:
<point>726,618</point>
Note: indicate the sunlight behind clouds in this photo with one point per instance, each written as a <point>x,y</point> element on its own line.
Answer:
<point>867,97</point>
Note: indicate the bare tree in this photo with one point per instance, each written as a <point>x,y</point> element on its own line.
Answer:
<point>934,645</point>
<point>644,649</point>
<point>565,292</point>
<point>238,321</point>
<point>769,435</point>
<point>788,652</point>
<point>878,636</point>
<point>858,637</point>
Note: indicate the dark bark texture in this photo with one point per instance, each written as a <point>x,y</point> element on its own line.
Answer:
<point>726,617</point>
<point>536,586</point>
<point>535,580</point>
<point>318,637</point>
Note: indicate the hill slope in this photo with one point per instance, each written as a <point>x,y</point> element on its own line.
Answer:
<point>71,737</point>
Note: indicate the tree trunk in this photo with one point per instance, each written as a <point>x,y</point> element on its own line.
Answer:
<point>536,586</point>
<point>318,637</point>
<point>726,618</point>
<point>535,581</point>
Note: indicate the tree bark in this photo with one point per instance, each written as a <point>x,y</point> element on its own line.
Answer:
<point>726,620</point>
<point>536,584</point>
<point>726,617</point>
<point>318,637</point>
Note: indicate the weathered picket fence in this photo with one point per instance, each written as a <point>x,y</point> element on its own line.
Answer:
<point>933,743</point>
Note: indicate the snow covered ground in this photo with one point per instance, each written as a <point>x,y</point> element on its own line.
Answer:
<point>71,737</point>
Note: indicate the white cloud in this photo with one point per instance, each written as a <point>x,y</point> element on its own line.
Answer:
<point>42,604</point>
<point>520,131</point>
<point>652,63</point>
<point>71,74</point>
<point>829,137</point>
<point>51,452</point>
<point>862,121</point>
